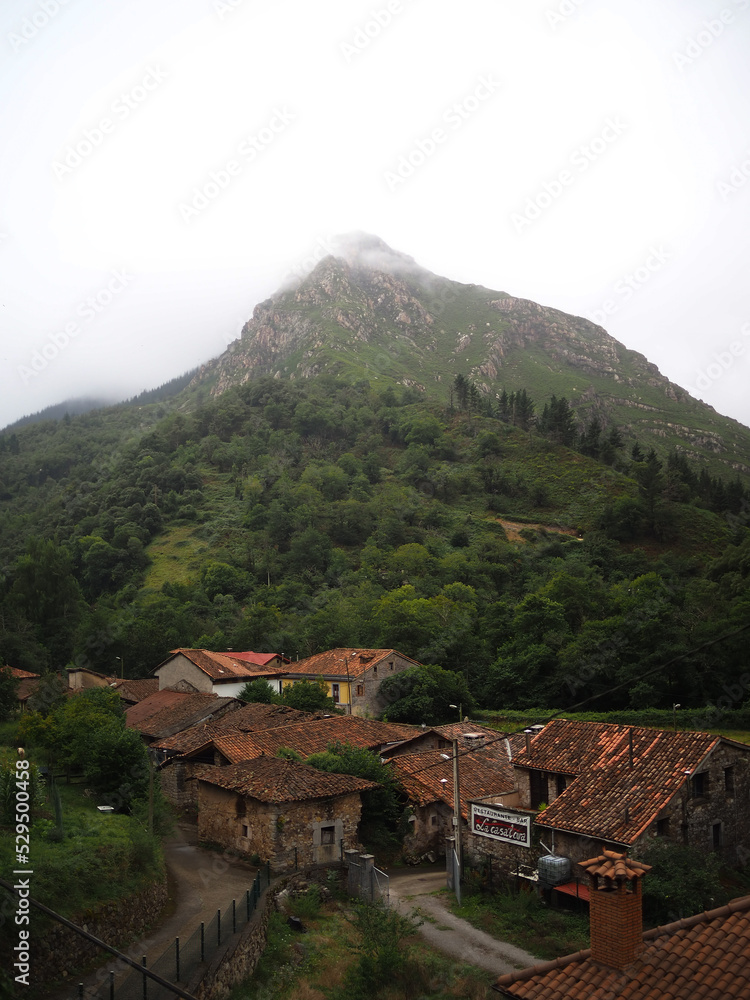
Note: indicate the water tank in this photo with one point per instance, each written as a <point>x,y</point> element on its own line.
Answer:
<point>554,870</point>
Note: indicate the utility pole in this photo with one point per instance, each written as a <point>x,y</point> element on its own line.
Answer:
<point>457,823</point>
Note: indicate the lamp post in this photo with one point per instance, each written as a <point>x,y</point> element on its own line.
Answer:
<point>458,842</point>
<point>674,716</point>
<point>122,667</point>
<point>459,707</point>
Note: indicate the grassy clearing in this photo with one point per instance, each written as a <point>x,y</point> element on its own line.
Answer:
<point>525,921</point>
<point>176,556</point>
<point>314,966</point>
<point>99,858</point>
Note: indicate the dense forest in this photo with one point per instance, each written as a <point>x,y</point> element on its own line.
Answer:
<point>503,539</point>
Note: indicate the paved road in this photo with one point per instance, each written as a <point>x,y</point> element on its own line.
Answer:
<point>200,883</point>
<point>414,889</point>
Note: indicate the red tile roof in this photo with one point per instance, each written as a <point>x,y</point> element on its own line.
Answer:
<point>253,717</point>
<point>428,777</point>
<point>706,957</point>
<point>609,798</point>
<point>306,738</point>
<point>137,689</point>
<point>20,674</point>
<point>260,659</point>
<point>612,865</point>
<point>271,779</point>
<point>167,712</point>
<point>343,662</point>
<point>223,667</point>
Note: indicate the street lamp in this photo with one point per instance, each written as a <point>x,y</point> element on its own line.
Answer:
<point>122,667</point>
<point>674,716</point>
<point>459,710</point>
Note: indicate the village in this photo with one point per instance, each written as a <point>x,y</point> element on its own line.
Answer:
<point>566,808</point>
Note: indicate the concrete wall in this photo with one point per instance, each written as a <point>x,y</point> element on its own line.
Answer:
<point>181,668</point>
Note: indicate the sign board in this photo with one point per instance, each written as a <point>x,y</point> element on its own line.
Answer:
<point>501,824</point>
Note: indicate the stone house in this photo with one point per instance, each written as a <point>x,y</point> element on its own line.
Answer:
<point>283,811</point>
<point>427,777</point>
<point>223,674</point>
<point>225,744</point>
<point>695,958</point>
<point>165,713</point>
<point>28,683</point>
<point>593,786</point>
<point>353,676</point>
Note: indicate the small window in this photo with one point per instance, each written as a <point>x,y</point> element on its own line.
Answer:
<point>662,827</point>
<point>717,836</point>
<point>434,821</point>
<point>390,666</point>
<point>700,785</point>
<point>360,690</point>
<point>729,780</point>
<point>335,693</point>
<point>561,782</point>
<point>374,671</point>
<point>327,834</point>
<point>245,830</point>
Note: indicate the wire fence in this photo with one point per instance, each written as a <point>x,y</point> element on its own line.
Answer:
<point>180,961</point>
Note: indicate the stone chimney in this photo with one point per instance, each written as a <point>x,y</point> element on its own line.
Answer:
<point>615,908</point>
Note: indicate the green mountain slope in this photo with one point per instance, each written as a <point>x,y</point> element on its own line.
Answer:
<point>372,313</point>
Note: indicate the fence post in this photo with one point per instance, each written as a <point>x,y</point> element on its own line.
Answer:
<point>234,917</point>
<point>111,985</point>
<point>296,864</point>
<point>218,926</point>
<point>367,876</point>
<point>247,902</point>
<point>203,942</point>
<point>145,980</point>
<point>177,959</point>
<point>80,990</point>
<point>268,872</point>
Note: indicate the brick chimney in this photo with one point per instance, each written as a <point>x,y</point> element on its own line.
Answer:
<point>615,908</point>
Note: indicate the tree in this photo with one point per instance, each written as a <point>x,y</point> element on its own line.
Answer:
<point>258,691</point>
<point>8,693</point>
<point>307,696</point>
<point>683,881</point>
<point>379,805</point>
<point>425,694</point>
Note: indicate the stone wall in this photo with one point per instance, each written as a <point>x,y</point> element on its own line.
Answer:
<point>120,922</point>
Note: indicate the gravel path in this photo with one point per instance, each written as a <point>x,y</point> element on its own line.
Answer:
<point>414,889</point>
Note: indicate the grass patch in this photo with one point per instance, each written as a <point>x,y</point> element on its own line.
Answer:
<point>318,965</point>
<point>525,921</point>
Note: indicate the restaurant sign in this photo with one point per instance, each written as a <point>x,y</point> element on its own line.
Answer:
<point>501,824</point>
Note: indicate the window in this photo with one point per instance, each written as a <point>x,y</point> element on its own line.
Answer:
<point>662,827</point>
<point>360,690</point>
<point>328,834</point>
<point>561,783</point>
<point>434,821</point>
<point>390,666</point>
<point>538,788</point>
<point>716,836</point>
<point>245,830</point>
<point>700,785</point>
<point>374,671</point>
<point>729,780</point>
<point>335,693</point>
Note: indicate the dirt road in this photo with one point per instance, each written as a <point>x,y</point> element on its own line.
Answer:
<point>413,890</point>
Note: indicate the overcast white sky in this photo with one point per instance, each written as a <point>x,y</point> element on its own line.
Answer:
<point>165,163</point>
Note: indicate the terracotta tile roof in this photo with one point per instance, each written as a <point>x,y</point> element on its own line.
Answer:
<point>612,865</point>
<point>259,659</point>
<point>135,690</point>
<point>253,717</point>
<point>26,688</point>
<point>427,777</point>
<point>705,957</point>
<point>608,797</point>
<point>271,779</point>
<point>343,662</point>
<point>223,667</point>
<point>307,738</point>
<point>21,674</point>
<point>166,712</point>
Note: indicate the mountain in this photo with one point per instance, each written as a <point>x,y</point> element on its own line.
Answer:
<point>368,312</point>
